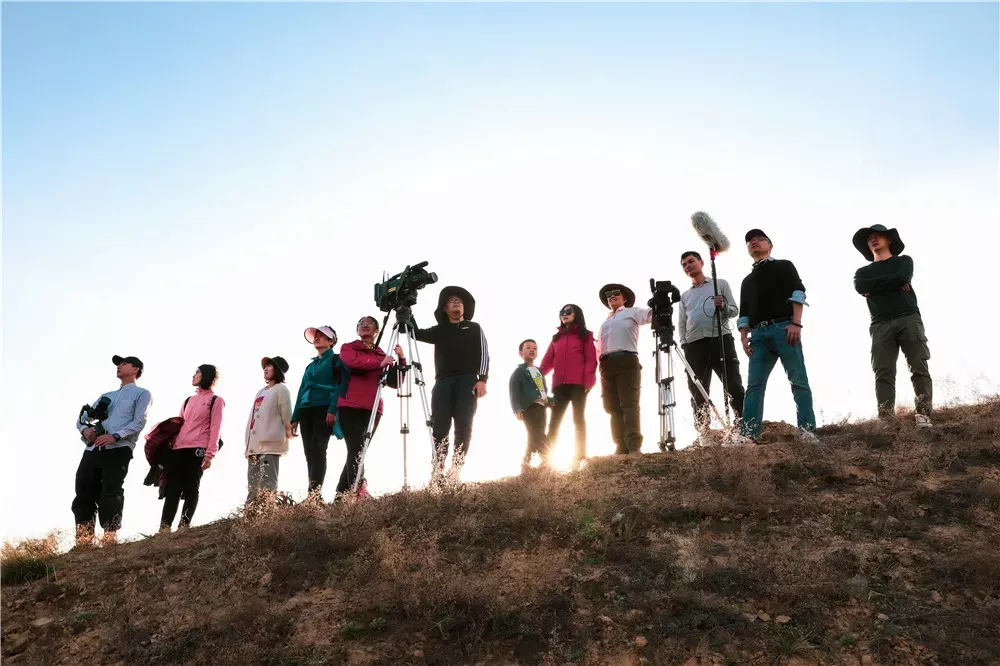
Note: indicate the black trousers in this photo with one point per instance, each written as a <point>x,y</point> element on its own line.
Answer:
<point>565,394</point>
<point>704,357</point>
<point>354,422</point>
<point>315,439</point>
<point>620,391</point>
<point>99,487</point>
<point>184,472</point>
<point>453,400</point>
<point>534,418</point>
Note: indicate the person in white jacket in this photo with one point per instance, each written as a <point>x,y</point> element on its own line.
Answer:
<point>268,430</point>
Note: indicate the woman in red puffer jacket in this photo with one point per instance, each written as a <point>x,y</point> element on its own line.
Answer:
<point>572,358</point>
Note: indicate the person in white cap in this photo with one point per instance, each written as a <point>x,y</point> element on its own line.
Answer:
<point>316,405</point>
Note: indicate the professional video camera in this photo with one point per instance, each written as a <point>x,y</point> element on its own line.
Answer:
<point>401,289</point>
<point>96,415</point>
<point>662,303</point>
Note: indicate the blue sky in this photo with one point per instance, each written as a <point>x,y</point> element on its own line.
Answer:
<point>198,183</point>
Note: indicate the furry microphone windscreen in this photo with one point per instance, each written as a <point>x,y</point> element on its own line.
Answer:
<point>709,231</point>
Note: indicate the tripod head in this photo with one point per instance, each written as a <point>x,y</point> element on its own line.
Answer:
<point>662,304</point>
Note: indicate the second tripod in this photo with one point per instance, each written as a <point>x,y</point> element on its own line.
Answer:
<point>403,327</point>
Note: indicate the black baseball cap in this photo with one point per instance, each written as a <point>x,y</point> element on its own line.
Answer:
<point>118,360</point>
<point>756,232</point>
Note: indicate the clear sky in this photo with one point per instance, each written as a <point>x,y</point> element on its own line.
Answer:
<point>197,183</point>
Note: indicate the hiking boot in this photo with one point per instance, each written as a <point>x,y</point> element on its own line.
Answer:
<point>109,538</point>
<point>807,437</point>
<point>85,536</point>
<point>922,421</point>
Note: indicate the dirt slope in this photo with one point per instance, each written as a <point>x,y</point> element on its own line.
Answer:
<point>872,547</point>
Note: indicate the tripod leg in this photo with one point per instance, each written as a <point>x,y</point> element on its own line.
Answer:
<point>356,481</point>
<point>697,382</point>
<point>418,379</point>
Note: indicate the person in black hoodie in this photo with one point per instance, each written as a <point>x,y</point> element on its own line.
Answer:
<point>461,369</point>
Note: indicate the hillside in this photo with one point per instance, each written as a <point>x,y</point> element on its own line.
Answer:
<point>871,547</point>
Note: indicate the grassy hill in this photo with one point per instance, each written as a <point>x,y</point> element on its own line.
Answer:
<point>871,547</point>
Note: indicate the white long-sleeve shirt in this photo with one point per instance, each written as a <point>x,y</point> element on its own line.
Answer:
<point>697,312</point>
<point>620,331</point>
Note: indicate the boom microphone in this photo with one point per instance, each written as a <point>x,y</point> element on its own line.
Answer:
<point>709,231</point>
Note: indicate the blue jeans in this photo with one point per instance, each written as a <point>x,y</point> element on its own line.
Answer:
<point>769,345</point>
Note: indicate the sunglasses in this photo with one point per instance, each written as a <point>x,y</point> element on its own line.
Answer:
<point>612,293</point>
<point>565,312</point>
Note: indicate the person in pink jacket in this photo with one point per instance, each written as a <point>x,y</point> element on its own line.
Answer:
<point>572,360</point>
<point>363,363</point>
<point>193,449</point>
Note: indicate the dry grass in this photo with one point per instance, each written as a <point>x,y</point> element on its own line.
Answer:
<point>870,543</point>
<point>28,560</point>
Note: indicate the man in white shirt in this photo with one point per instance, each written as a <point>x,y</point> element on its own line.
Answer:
<point>699,338</point>
<point>618,354</point>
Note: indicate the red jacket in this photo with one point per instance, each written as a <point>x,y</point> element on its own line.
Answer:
<point>361,374</point>
<point>574,360</point>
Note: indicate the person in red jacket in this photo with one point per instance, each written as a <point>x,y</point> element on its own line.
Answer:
<point>572,358</point>
<point>363,363</point>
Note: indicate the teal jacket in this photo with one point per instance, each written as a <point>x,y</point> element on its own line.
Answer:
<point>523,390</point>
<point>320,387</point>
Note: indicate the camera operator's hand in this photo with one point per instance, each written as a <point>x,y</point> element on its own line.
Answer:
<point>793,334</point>
<point>386,360</point>
<point>479,389</point>
<point>399,353</point>
<point>330,420</point>
<point>104,440</point>
<point>89,434</point>
<point>206,463</point>
<point>745,339</point>
<point>720,301</point>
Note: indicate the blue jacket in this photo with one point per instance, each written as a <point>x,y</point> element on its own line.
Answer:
<point>321,386</point>
<point>523,390</point>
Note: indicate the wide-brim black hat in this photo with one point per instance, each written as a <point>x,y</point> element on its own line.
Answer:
<point>468,302</point>
<point>626,292</point>
<point>896,245</point>
<point>277,361</point>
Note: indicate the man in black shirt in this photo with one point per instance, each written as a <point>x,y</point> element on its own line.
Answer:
<point>896,322</point>
<point>770,323</point>
<point>461,369</point>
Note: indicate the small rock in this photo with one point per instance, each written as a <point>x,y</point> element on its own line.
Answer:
<point>764,616</point>
<point>882,617</point>
<point>419,654</point>
<point>725,519</point>
<point>936,596</point>
<point>42,622</point>
<point>867,659</point>
<point>605,619</point>
<point>265,579</point>
<point>782,619</point>
<point>640,641</point>
<point>634,614</point>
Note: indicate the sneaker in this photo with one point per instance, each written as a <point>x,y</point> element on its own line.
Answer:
<point>808,437</point>
<point>922,421</point>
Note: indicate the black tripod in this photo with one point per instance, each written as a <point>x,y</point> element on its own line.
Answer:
<point>404,325</point>
<point>663,332</point>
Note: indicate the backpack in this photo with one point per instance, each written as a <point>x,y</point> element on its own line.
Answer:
<point>211,406</point>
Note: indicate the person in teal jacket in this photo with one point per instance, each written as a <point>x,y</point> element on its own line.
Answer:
<point>316,405</point>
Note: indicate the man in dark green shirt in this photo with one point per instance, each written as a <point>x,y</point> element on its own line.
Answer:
<point>896,322</point>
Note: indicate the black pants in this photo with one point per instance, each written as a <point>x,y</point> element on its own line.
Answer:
<point>453,399</point>
<point>315,439</point>
<point>99,491</point>
<point>354,422</point>
<point>620,390</point>
<point>704,357</point>
<point>534,423</point>
<point>564,395</point>
<point>184,472</point>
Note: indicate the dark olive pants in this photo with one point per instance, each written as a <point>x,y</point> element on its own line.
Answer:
<point>620,392</point>
<point>904,333</point>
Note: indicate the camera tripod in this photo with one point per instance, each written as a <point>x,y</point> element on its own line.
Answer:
<point>666,344</point>
<point>404,326</point>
